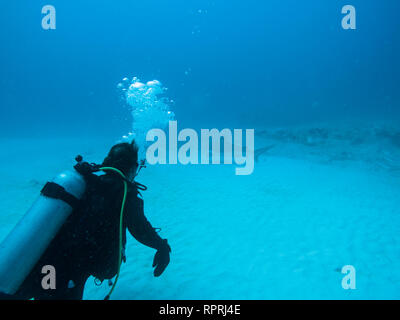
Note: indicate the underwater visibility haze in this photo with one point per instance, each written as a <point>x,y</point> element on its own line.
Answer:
<point>321,201</point>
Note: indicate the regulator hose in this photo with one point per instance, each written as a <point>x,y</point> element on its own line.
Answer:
<point>120,224</point>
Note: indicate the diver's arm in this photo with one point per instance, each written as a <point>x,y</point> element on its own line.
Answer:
<point>140,228</point>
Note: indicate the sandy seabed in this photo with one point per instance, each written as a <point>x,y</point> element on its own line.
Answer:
<point>284,232</point>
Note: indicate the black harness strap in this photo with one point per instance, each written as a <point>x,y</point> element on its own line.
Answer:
<point>55,191</point>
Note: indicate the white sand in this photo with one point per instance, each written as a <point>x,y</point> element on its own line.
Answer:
<point>284,232</point>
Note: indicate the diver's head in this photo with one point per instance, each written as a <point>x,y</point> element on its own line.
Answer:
<point>124,157</point>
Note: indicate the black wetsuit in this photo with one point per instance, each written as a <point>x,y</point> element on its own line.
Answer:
<point>88,242</point>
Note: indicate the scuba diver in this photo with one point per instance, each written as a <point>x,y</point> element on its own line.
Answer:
<point>92,240</point>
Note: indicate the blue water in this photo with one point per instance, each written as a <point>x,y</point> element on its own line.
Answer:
<point>226,64</point>
<point>243,63</point>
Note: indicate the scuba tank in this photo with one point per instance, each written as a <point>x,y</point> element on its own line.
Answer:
<point>23,247</point>
<point>26,243</point>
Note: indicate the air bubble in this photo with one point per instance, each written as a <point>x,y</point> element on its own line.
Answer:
<point>148,109</point>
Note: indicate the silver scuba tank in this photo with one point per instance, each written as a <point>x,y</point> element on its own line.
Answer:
<point>23,247</point>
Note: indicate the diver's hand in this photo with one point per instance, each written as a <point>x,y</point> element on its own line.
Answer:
<point>161,258</point>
